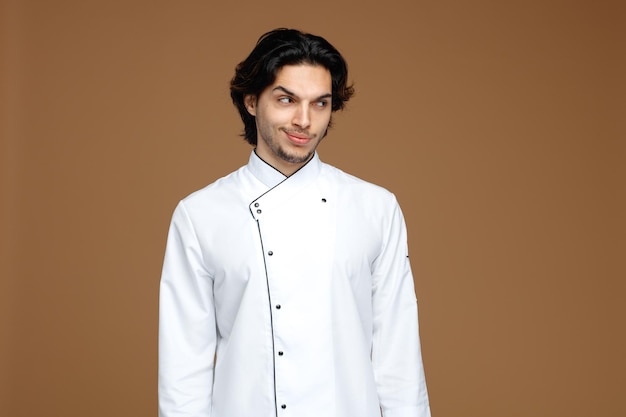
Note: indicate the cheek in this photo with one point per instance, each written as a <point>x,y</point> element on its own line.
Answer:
<point>269,116</point>
<point>324,120</point>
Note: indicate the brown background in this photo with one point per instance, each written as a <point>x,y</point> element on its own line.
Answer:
<point>500,126</point>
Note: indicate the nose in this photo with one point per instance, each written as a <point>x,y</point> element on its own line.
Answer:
<point>302,116</point>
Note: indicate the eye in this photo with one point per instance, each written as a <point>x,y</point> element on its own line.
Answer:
<point>321,104</point>
<point>285,99</point>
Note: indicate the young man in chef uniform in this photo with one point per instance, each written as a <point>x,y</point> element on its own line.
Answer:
<point>286,286</point>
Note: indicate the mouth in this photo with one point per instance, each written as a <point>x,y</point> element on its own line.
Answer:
<point>298,138</point>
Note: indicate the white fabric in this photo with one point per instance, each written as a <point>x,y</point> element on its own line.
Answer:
<point>330,250</point>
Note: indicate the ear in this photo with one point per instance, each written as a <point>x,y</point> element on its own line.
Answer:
<point>250,102</point>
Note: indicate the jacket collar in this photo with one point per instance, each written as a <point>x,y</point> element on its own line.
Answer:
<point>281,189</point>
<point>271,177</point>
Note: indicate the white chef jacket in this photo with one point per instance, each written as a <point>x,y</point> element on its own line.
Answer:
<point>289,297</point>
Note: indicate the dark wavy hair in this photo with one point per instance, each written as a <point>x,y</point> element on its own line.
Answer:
<point>276,49</point>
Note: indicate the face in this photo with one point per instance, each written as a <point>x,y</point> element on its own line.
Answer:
<point>292,115</point>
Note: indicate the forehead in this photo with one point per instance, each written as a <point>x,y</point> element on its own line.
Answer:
<point>303,80</point>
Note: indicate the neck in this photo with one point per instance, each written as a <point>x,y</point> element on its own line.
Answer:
<point>284,167</point>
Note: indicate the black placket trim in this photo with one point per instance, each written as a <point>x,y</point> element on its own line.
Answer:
<point>269,298</point>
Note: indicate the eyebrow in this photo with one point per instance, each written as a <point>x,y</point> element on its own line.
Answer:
<point>284,90</point>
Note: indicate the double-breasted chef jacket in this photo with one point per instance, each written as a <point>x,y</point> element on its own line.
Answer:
<point>289,296</point>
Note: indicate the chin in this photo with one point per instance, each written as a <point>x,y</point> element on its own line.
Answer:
<point>298,158</point>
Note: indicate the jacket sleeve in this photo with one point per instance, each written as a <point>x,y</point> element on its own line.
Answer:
<point>396,352</point>
<point>187,329</point>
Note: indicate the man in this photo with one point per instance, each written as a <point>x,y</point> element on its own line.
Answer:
<point>286,286</point>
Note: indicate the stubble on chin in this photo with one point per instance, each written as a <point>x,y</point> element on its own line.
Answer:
<point>292,158</point>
